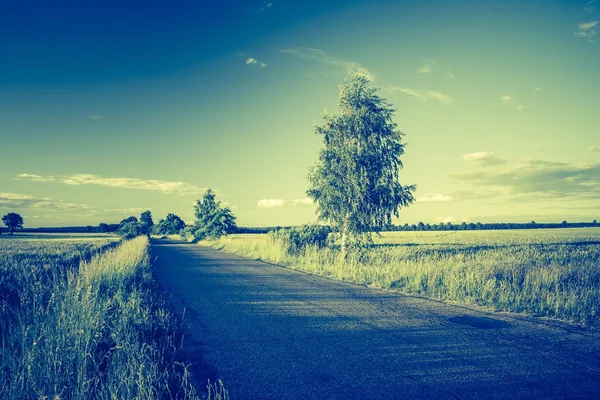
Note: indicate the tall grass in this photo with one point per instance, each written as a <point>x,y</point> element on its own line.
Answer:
<point>90,328</point>
<point>541,275</point>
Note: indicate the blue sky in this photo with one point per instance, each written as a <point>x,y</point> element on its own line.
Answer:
<point>110,108</point>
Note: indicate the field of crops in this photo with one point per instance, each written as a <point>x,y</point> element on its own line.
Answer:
<point>546,272</point>
<point>80,318</point>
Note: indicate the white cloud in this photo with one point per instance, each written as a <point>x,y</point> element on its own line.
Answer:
<point>445,220</point>
<point>511,100</point>
<point>426,68</point>
<point>263,65</point>
<point>424,95</point>
<point>323,57</point>
<point>182,188</point>
<point>450,75</point>
<point>274,203</point>
<point>37,178</point>
<point>435,198</point>
<point>15,196</point>
<point>483,158</point>
<point>594,148</point>
<point>251,61</point>
<point>537,89</point>
<point>586,30</point>
<point>538,180</point>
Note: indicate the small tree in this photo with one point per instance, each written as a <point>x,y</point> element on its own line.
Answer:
<point>13,221</point>
<point>355,183</point>
<point>146,222</point>
<point>212,220</point>
<point>171,225</point>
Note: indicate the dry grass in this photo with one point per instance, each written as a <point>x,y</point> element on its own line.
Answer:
<point>83,321</point>
<point>548,273</point>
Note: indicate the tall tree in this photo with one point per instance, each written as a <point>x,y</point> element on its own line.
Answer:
<point>13,221</point>
<point>212,220</point>
<point>355,182</point>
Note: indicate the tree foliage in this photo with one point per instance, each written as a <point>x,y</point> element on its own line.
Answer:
<point>212,219</point>
<point>171,225</point>
<point>146,222</point>
<point>13,221</point>
<point>355,182</point>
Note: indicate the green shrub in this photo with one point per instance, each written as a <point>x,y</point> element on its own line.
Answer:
<point>130,230</point>
<point>297,238</point>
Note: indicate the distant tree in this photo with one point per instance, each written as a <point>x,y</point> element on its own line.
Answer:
<point>130,229</point>
<point>355,182</point>
<point>463,226</point>
<point>212,220</point>
<point>146,222</point>
<point>102,227</point>
<point>171,225</point>
<point>13,221</point>
<point>128,219</point>
<point>594,222</point>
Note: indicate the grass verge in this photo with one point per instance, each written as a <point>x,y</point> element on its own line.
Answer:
<point>91,329</point>
<point>551,277</point>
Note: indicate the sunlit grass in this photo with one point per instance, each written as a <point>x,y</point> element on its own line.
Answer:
<point>83,321</point>
<point>541,272</point>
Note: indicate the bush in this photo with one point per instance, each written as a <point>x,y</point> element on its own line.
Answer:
<point>297,238</point>
<point>130,230</point>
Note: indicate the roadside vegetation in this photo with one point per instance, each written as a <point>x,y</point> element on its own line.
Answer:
<point>541,273</point>
<point>82,319</point>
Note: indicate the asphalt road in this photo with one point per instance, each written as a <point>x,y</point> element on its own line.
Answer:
<point>273,333</point>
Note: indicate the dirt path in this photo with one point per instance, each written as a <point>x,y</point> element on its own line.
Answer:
<point>272,333</point>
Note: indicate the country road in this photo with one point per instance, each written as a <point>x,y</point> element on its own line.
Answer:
<point>273,333</point>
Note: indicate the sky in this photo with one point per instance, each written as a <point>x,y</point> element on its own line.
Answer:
<point>110,108</point>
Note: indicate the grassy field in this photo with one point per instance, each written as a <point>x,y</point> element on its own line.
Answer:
<point>80,318</point>
<point>552,273</point>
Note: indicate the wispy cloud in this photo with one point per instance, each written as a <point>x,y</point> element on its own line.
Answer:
<point>427,67</point>
<point>323,57</point>
<point>265,7</point>
<point>274,203</point>
<point>27,201</point>
<point>424,95</point>
<point>594,148</point>
<point>537,89</point>
<point>450,75</point>
<point>14,196</point>
<point>37,178</point>
<point>539,179</point>
<point>511,100</point>
<point>590,6</point>
<point>96,117</point>
<point>483,158</point>
<point>434,198</point>
<point>587,30</point>
<point>182,188</point>
<point>254,61</point>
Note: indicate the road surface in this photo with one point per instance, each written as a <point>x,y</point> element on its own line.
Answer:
<point>272,333</point>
